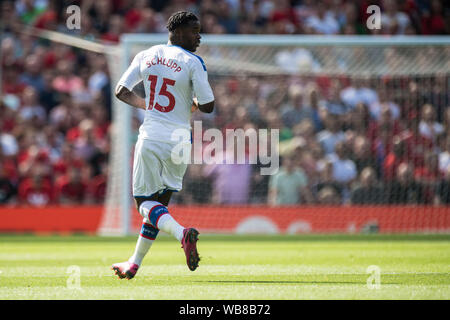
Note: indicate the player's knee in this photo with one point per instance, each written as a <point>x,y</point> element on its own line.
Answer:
<point>151,211</point>
<point>139,201</point>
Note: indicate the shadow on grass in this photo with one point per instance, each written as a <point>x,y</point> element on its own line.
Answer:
<point>282,282</point>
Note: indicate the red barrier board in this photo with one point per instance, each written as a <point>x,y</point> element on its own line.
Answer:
<point>58,219</point>
<point>291,220</point>
<point>245,219</point>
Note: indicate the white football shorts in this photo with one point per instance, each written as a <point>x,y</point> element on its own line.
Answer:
<point>153,168</point>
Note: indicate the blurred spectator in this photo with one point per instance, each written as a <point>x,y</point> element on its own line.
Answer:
<point>70,189</point>
<point>31,109</point>
<point>283,18</point>
<point>416,144</point>
<point>429,175</point>
<point>334,104</point>
<point>386,125</point>
<point>32,74</point>
<point>383,104</point>
<point>84,142</point>
<point>394,158</point>
<point>226,188</point>
<point>393,21</point>
<point>433,21</point>
<point>37,190</point>
<point>48,97</point>
<point>428,126</point>
<point>289,185</point>
<point>331,135</point>
<point>7,189</point>
<point>29,10</point>
<point>369,191</point>
<point>358,120</point>
<point>66,81</point>
<point>294,110</point>
<point>321,21</point>
<point>444,156</point>
<point>328,196</point>
<point>443,189</point>
<point>404,190</point>
<point>97,185</point>
<point>326,181</point>
<point>344,169</point>
<point>362,156</point>
<point>357,92</point>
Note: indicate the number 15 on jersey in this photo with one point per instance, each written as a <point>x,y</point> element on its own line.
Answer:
<point>163,91</point>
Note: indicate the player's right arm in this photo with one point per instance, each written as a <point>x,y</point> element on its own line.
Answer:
<point>129,79</point>
<point>129,97</point>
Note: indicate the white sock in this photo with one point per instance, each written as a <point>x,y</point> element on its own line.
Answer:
<point>142,247</point>
<point>168,224</point>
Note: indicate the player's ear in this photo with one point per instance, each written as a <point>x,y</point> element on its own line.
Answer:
<point>176,35</point>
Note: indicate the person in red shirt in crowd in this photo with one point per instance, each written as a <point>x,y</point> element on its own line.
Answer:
<point>416,144</point>
<point>284,19</point>
<point>394,158</point>
<point>387,122</point>
<point>36,190</point>
<point>11,82</point>
<point>98,126</point>
<point>97,185</point>
<point>434,22</point>
<point>134,15</point>
<point>115,29</point>
<point>68,159</point>
<point>429,176</point>
<point>70,188</point>
<point>9,168</point>
<point>33,156</point>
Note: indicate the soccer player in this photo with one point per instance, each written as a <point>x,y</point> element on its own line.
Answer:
<point>176,83</point>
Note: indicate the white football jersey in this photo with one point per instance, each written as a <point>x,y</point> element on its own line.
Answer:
<point>172,76</point>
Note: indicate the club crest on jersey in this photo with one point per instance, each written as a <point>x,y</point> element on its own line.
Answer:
<point>169,63</point>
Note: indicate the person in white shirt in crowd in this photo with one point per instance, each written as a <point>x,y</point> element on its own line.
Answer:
<point>428,126</point>
<point>322,21</point>
<point>332,133</point>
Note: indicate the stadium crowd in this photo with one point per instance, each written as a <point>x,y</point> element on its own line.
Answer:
<point>366,141</point>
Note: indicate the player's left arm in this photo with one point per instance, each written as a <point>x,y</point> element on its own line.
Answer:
<point>202,89</point>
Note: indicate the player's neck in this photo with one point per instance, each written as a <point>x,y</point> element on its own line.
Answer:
<point>174,43</point>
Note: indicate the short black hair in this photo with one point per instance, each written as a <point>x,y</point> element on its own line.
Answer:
<point>180,18</point>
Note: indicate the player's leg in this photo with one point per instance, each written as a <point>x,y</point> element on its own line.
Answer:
<point>146,236</point>
<point>145,240</point>
<point>145,178</point>
<point>158,215</point>
<point>172,176</point>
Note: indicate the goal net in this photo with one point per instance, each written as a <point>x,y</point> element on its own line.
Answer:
<point>363,122</point>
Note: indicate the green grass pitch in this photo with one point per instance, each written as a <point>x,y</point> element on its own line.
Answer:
<point>232,267</point>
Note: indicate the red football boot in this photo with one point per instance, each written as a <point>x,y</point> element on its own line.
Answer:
<point>189,244</point>
<point>125,269</point>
